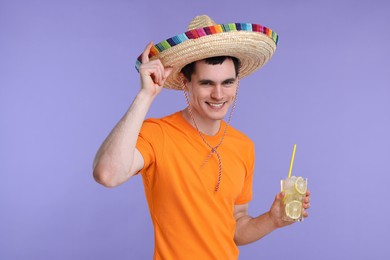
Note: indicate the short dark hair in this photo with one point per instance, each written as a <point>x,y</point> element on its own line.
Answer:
<point>189,69</point>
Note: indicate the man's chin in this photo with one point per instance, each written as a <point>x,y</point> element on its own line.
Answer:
<point>220,115</point>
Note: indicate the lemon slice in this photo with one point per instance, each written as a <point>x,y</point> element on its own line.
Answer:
<point>294,209</point>
<point>300,185</point>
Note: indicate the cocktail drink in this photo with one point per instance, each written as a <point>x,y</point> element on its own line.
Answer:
<point>294,189</point>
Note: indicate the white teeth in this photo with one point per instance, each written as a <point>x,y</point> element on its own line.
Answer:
<point>216,105</point>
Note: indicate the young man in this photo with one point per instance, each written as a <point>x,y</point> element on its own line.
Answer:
<point>197,170</point>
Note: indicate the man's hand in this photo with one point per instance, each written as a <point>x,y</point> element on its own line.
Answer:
<point>118,159</point>
<point>250,229</point>
<point>276,211</point>
<point>153,74</point>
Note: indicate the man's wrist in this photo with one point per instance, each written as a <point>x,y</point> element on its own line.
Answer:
<point>146,95</point>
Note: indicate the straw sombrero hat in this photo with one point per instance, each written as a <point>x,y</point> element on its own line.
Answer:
<point>252,44</point>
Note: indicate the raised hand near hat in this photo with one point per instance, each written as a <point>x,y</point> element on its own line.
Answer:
<point>118,158</point>
<point>153,73</point>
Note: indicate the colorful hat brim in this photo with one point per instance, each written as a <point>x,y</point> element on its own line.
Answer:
<point>252,44</point>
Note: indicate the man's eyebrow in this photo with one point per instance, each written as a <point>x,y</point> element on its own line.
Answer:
<point>229,80</point>
<point>206,81</point>
<point>209,81</point>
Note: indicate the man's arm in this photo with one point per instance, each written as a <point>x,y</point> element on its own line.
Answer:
<point>118,158</point>
<point>249,229</point>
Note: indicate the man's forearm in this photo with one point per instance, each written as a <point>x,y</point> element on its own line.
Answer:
<point>114,160</point>
<point>250,229</point>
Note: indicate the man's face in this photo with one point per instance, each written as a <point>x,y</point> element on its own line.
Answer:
<point>212,89</point>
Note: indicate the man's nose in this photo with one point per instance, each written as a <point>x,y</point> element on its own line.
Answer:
<point>217,92</point>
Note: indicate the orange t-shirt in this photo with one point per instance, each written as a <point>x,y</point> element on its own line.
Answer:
<point>191,220</point>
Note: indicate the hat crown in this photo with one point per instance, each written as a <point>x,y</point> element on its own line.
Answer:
<point>252,44</point>
<point>200,22</point>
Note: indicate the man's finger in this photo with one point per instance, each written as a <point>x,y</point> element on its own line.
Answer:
<point>167,72</point>
<point>145,54</point>
<point>279,196</point>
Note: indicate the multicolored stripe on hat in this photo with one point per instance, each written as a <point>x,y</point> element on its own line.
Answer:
<point>205,31</point>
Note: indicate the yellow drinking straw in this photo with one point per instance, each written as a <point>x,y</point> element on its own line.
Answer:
<point>292,160</point>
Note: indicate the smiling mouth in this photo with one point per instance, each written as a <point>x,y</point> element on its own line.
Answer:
<point>215,105</point>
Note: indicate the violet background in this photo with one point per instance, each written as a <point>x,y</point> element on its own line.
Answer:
<point>67,76</point>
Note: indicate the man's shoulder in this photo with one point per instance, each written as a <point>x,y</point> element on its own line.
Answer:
<point>165,119</point>
<point>238,134</point>
<point>165,123</point>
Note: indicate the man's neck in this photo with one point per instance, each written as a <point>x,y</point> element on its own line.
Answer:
<point>205,126</point>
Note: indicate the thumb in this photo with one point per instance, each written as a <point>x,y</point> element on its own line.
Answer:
<point>167,72</point>
<point>279,197</point>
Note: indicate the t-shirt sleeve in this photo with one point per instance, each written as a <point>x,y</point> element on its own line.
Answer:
<point>150,143</point>
<point>247,193</point>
